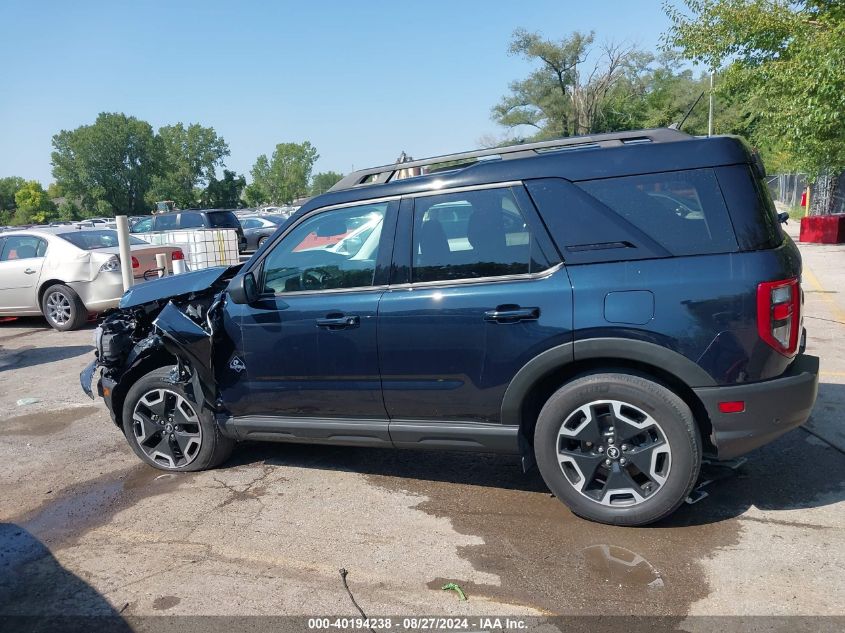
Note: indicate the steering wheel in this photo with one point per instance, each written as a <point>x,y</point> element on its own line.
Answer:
<point>314,279</point>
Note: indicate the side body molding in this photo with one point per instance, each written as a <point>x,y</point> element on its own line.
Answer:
<point>597,348</point>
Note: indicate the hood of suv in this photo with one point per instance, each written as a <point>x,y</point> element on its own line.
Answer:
<point>173,286</point>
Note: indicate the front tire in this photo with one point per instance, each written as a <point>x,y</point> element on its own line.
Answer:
<point>618,448</point>
<point>168,430</point>
<point>63,308</point>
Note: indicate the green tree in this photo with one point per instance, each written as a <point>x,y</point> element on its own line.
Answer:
<point>224,193</point>
<point>55,191</point>
<point>69,211</point>
<point>566,94</point>
<point>788,60</point>
<point>190,156</point>
<point>284,177</point>
<point>8,188</point>
<point>324,181</point>
<point>109,165</point>
<point>33,204</point>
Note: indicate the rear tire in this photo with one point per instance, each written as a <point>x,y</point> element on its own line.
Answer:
<point>168,430</point>
<point>618,448</point>
<point>63,308</point>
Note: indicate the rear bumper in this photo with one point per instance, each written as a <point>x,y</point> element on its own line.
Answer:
<point>101,294</point>
<point>772,408</point>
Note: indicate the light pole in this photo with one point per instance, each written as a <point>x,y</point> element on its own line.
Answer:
<point>710,114</point>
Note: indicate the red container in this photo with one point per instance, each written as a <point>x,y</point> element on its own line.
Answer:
<point>823,229</point>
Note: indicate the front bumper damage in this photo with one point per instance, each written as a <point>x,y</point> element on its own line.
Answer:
<point>178,331</point>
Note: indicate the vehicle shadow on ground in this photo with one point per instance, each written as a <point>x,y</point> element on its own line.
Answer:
<point>37,593</point>
<point>30,356</point>
<point>795,471</point>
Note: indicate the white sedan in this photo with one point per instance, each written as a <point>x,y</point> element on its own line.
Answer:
<point>67,274</point>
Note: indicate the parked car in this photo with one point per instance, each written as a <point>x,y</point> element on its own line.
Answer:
<point>181,220</point>
<point>258,228</point>
<point>66,273</point>
<point>548,305</point>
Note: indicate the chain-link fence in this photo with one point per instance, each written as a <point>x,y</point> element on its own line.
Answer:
<point>788,189</point>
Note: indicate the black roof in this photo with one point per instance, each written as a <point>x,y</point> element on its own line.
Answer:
<point>587,160</point>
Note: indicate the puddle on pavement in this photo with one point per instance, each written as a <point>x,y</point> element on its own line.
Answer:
<point>44,422</point>
<point>550,559</point>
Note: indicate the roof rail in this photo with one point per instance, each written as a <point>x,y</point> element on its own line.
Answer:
<point>396,171</point>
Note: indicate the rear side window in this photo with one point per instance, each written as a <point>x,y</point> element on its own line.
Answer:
<point>472,235</point>
<point>683,211</point>
<point>191,221</point>
<point>223,220</point>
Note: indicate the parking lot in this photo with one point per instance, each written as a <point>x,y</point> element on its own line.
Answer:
<point>87,529</point>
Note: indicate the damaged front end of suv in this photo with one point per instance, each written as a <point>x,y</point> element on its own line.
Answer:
<point>175,323</point>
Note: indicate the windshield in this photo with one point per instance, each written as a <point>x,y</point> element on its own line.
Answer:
<point>100,238</point>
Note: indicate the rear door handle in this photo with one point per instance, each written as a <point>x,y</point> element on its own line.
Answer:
<point>29,271</point>
<point>512,314</point>
<point>340,322</point>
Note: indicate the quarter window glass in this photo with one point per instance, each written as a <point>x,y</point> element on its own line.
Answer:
<point>472,235</point>
<point>683,211</point>
<point>22,247</point>
<point>334,249</point>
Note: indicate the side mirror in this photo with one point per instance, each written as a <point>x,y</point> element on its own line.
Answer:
<point>243,289</point>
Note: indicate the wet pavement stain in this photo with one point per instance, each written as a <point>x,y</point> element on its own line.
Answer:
<point>163,603</point>
<point>550,559</point>
<point>44,422</point>
<point>27,542</point>
<point>77,509</point>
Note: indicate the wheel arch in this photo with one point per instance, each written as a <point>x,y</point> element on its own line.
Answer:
<point>153,359</point>
<point>546,373</point>
<point>44,286</point>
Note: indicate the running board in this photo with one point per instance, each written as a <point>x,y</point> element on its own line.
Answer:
<point>419,434</point>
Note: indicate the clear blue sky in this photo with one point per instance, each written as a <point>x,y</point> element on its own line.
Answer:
<point>361,80</point>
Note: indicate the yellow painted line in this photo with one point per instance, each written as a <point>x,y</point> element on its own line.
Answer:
<point>833,374</point>
<point>838,313</point>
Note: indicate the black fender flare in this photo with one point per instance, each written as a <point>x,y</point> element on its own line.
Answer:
<point>610,348</point>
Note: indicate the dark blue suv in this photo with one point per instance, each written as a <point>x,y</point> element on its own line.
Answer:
<point>612,308</point>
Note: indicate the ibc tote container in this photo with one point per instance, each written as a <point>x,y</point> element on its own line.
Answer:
<point>203,248</point>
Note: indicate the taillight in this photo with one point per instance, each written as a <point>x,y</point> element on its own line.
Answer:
<point>110,265</point>
<point>779,314</point>
<point>177,255</point>
<point>135,262</point>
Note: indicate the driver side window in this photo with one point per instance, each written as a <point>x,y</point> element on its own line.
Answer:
<point>333,249</point>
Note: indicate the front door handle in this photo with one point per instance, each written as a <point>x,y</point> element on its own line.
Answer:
<point>340,322</point>
<point>30,271</point>
<point>512,314</point>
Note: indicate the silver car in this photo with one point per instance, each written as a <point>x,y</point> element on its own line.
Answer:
<point>67,274</point>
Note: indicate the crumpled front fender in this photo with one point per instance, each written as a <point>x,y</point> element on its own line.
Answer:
<point>188,341</point>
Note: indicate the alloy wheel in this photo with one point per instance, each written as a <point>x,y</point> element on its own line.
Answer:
<point>58,308</point>
<point>613,453</point>
<point>167,428</point>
